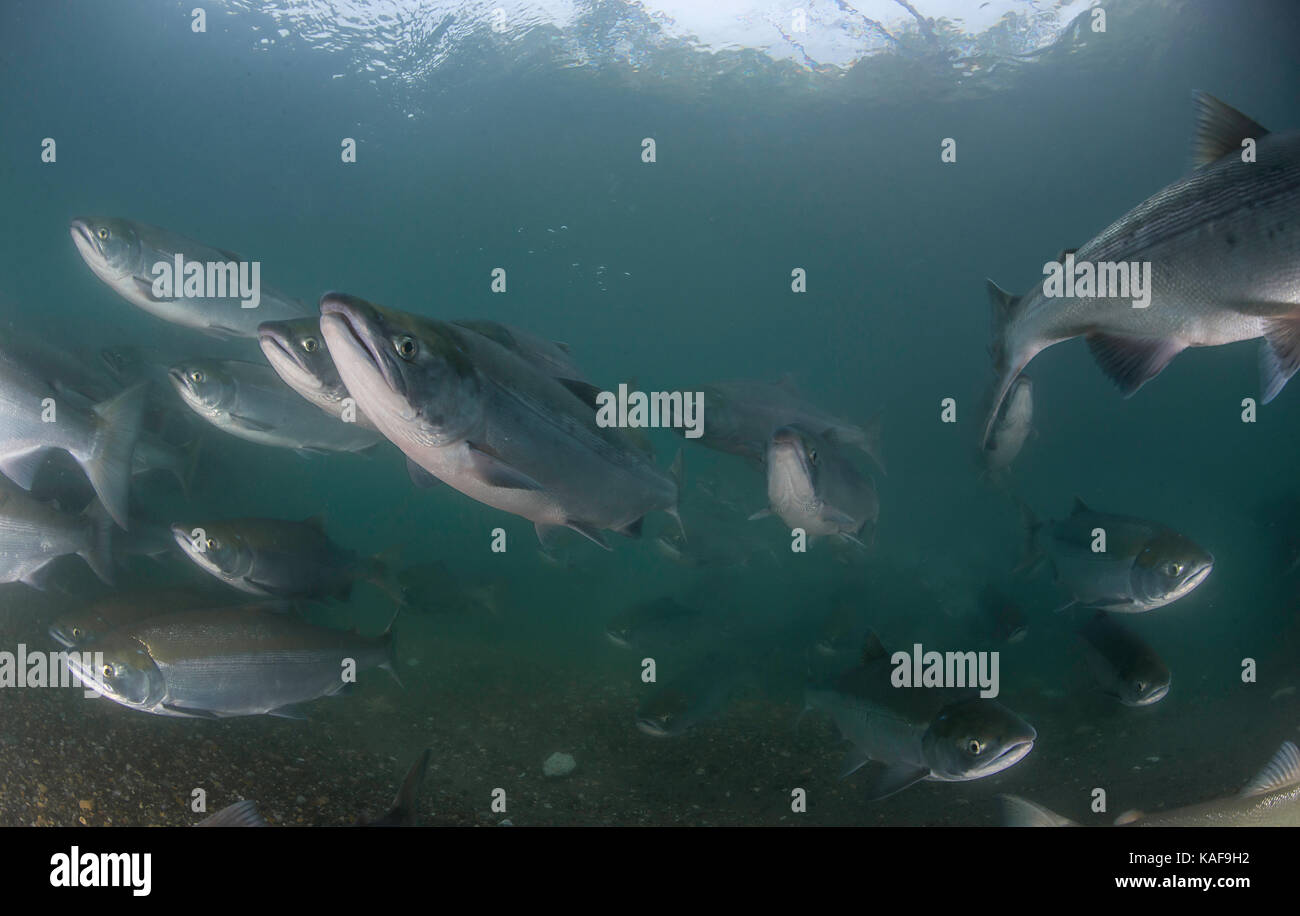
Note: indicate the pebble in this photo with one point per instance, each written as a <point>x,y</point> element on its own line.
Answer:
<point>559,764</point>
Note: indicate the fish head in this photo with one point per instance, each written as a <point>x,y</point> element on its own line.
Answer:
<point>620,634</point>
<point>111,247</point>
<point>215,549</point>
<point>204,384</point>
<point>975,738</point>
<point>296,351</point>
<point>408,373</point>
<point>1168,567</point>
<point>793,469</point>
<point>1144,688</point>
<point>125,363</point>
<point>122,669</point>
<point>71,631</point>
<point>667,714</point>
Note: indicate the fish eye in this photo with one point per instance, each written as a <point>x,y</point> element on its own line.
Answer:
<point>213,544</point>
<point>103,233</point>
<point>76,632</point>
<point>812,455</point>
<point>1173,570</point>
<point>406,347</point>
<point>975,747</point>
<point>108,671</point>
<point>1140,687</point>
<point>310,344</point>
<point>196,377</point>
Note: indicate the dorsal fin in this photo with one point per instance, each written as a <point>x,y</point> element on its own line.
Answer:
<point>1079,507</point>
<point>872,648</point>
<point>1220,128</point>
<point>1283,770</point>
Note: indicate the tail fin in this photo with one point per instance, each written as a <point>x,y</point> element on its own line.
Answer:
<point>403,811</point>
<point>108,462</point>
<point>99,552</point>
<point>1020,812</point>
<point>240,814</point>
<point>1005,307</point>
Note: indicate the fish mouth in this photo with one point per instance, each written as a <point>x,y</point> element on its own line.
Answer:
<point>179,379</point>
<point>351,324</point>
<point>1154,696</point>
<point>57,634</point>
<point>283,356</point>
<point>618,639</point>
<point>1012,754</point>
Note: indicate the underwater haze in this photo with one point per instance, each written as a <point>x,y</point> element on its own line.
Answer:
<point>792,216</point>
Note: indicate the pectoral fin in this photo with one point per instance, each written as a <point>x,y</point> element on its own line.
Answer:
<point>494,472</point>
<point>894,778</point>
<point>419,476</point>
<point>22,467</point>
<point>1279,356</point>
<point>250,423</point>
<point>1130,362</point>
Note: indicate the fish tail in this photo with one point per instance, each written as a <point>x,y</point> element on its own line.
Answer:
<point>403,810</point>
<point>108,461</point>
<point>99,551</point>
<point>1020,812</point>
<point>240,814</point>
<point>1005,309</point>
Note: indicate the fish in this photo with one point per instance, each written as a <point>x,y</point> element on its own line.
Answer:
<point>1271,799</point>
<point>228,662</point>
<point>813,486</point>
<point>101,440</point>
<point>253,403</point>
<point>297,353</point>
<point>491,425</point>
<point>33,535</point>
<point>122,253</point>
<point>1221,243</point>
<point>662,621</point>
<point>401,814</point>
<point>742,415</point>
<point>1126,667</point>
<point>1012,428</point>
<point>87,624</point>
<point>277,558</point>
<point>916,734</point>
<point>699,694</point>
<point>1145,565</point>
